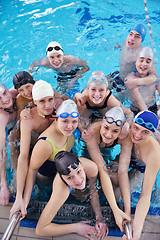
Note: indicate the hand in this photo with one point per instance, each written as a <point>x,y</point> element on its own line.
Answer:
<point>85,230</point>
<point>102,230</point>
<point>26,113</point>
<point>4,196</point>
<point>18,205</point>
<point>87,135</point>
<point>124,132</point>
<point>81,100</point>
<point>119,216</point>
<point>131,82</point>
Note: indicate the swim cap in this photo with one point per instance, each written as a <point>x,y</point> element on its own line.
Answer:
<point>63,160</point>
<point>2,87</point>
<point>147,119</point>
<point>22,78</point>
<point>97,78</point>
<point>54,47</point>
<point>42,89</point>
<point>146,52</point>
<point>115,115</point>
<point>140,29</point>
<point>68,107</point>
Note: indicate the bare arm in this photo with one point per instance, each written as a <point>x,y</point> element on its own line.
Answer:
<point>4,191</point>
<point>152,168</point>
<point>141,104</point>
<point>44,62</point>
<point>124,160</point>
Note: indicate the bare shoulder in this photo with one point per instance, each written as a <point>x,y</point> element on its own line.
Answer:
<point>89,166</point>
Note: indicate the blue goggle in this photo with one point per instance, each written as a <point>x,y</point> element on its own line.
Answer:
<point>148,125</point>
<point>66,115</point>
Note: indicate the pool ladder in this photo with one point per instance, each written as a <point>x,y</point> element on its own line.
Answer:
<point>127,229</point>
<point>11,226</point>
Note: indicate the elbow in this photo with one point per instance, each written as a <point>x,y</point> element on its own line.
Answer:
<point>39,231</point>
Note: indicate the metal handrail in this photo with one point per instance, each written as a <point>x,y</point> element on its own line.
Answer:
<point>11,226</point>
<point>127,229</point>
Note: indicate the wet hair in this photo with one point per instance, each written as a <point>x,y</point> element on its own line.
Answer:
<point>22,78</point>
<point>63,160</point>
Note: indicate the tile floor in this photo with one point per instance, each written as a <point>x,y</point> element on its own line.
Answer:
<point>151,229</point>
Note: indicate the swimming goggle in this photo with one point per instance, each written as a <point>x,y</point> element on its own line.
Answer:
<point>57,48</point>
<point>111,120</point>
<point>148,125</point>
<point>68,170</point>
<point>101,80</point>
<point>66,115</point>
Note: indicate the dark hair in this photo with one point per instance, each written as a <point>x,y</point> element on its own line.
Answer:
<point>63,160</point>
<point>22,78</point>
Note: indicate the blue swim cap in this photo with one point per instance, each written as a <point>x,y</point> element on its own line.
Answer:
<point>140,29</point>
<point>147,119</point>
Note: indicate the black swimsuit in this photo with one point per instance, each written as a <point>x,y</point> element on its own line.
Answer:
<point>96,108</point>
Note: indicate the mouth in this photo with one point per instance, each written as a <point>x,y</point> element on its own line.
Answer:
<point>136,139</point>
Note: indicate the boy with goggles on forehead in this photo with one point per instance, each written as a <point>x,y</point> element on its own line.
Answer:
<point>96,100</point>
<point>67,67</point>
<point>72,174</point>
<point>144,164</point>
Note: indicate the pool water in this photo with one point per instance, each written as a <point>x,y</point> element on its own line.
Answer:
<point>87,29</point>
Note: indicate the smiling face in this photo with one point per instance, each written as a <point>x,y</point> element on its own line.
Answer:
<point>138,133</point>
<point>143,65</point>
<point>109,132</point>
<point>76,179</point>
<point>26,91</point>
<point>56,60</point>
<point>133,40</point>
<point>45,105</point>
<point>67,125</point>
<point>97,93</point>
<point>6,100</point>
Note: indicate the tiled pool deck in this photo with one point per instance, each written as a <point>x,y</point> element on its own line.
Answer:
<point>151,229</point>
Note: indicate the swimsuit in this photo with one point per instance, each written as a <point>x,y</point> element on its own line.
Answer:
<point>96,108</point>
<point>113,144</point>
<point>48,167</point>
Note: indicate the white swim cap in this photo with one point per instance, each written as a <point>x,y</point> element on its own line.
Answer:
<point>97,78</point>
<point>2,87</point>
<point>115,115</point>
<point>146,52</point>
<point>42,89</point>
<point>67,108</point>
<point>54,47</point>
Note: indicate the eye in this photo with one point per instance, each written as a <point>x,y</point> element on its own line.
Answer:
<point>42,101</point>
<point>79,171</point>
<point>70,177</point>
<point>5,92</point>
<point>50,99</point>
<point>116,131</point>
<point>101,90</point>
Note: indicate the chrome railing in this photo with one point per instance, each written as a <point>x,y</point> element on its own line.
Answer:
<point>127,229</point>
<point>11,226</point>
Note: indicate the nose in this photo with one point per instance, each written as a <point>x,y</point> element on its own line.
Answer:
<point>26,92</point>
<point>108,134</point>
<point>77,180</point>
<point>138,134</point>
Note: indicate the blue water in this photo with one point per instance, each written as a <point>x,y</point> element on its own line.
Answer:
<point>86,29</point>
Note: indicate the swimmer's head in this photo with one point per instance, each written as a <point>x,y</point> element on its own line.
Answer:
<point>42,89</point>
<point>54,47</point>
<point>115,116</point>
<point>97,78</point>
<point>147,119</point>
<point>140,29</point>
<point>66,109</point>
<point>70,170</point>
<point>22,78</point>
<point>2,87</point>
<point>63,160</point>
<point>146,52</point>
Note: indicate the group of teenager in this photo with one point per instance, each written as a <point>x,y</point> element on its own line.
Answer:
<point>38,124</point>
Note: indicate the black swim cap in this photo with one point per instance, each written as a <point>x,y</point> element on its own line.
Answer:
<point>22,78</point>
<point>63,160</point>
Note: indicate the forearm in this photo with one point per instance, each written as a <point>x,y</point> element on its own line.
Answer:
<point>31,177</point>
<point>141,104</point>
<point>128,113</point>
<point>125,191</point>
<point>140,214</point>
<point>22,170</point>
<point>146,80</point>
<point>3,159</point>
<point>53,229</point>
